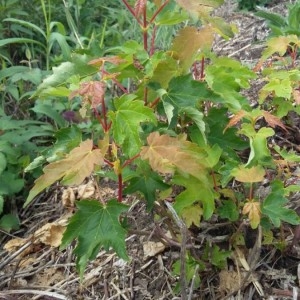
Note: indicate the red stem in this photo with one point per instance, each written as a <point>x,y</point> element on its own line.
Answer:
<point>132,11</point>
<point>118,84</point>
<point>214,180</point>
<point>251,192</point>
<point>104,113</point>
<point>154,103</point>
<point>202,69</point>
<point>158,11</point>
<point>145,96</point>
<point>152,47</point>
<point>98,117</point>
<point>145,29</point>
<point>108,162</point>
<point>129,161</point>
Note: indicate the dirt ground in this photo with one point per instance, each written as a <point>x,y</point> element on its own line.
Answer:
<point>32,267</point>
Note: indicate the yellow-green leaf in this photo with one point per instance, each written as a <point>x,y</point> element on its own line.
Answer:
<point>200,7</point>
<point>189,42</point>
<point>73,169</point>
<point>252,209</point>
<point>192,215</point>
<point>254,174</point>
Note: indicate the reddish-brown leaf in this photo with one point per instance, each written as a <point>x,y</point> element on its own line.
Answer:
<point>92,93</point>
<point>139,7</point>
<point>235,119</point>
<point>272,120</point>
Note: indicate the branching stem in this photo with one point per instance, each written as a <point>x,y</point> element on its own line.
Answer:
<point>132,11</point>
<point>158,11</point>
<point>129,161</point>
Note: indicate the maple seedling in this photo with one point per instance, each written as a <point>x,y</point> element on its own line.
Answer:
<point>163,123</point>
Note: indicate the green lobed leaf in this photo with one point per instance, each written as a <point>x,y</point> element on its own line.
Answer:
<point>226,76</point>
<point>10,184</point>
<point>169,17</point>
<point>290,156</point>
<point>77,66</point>
<point>11,152</point>
<point>3,162</point>
<point>184,91</point>
<point>1,204</point>
<point>48,110</point>
<point>95,225</point>
<point>226,168</point>
<point>190,264</point>
<point>258,144</point>
<point>13,70</point>
<point>196,116</point>
<point>164,70</point>
<point>126,123</point>
<point>195,191</point>
<point>219,257</point>
<point>274,206</point>
<point>294,188</point>
<point>9,222</point>
<point>281,88</point>
<point>33,75</point>
<point>279,45</point>
<point>148,183</point>
<point>215,122</point>
<point>229,210</point>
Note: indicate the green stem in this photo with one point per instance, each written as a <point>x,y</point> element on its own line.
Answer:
<point>120,187</point>
<point>47,24</point>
